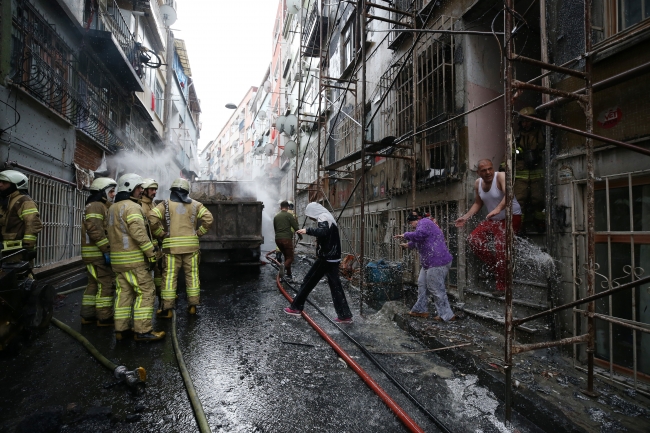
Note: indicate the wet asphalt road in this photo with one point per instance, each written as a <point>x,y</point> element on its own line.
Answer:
<point>254,368</point>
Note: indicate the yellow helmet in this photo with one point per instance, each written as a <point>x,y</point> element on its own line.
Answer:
<point>128,182</point>
<point>102,183</point>
<point>149,183</point>
<point>527,111</point>
<point>181,183</point>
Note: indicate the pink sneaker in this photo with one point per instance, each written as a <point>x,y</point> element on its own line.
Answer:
<point>345,321</point>
<point>292,312</point>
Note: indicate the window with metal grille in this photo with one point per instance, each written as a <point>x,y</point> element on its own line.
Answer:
<point>435,92</point>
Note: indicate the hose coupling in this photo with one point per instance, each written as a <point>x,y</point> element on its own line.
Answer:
<point>131,378</point>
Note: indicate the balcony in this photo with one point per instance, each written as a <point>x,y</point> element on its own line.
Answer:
<point>46,68</point>
<point>311,34</point>
<point>111,39</point>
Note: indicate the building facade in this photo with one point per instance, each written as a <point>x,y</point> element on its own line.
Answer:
<point>83,95</point>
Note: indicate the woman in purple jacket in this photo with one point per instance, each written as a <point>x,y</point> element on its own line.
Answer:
<point>435,261</point>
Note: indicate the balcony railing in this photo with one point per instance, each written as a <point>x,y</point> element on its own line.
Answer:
<point>114,22</point>
<point>41,66</point>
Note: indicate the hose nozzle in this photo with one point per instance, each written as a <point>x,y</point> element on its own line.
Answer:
<point>131,378</point>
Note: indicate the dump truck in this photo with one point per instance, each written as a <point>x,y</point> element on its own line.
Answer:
<point>236,235</point>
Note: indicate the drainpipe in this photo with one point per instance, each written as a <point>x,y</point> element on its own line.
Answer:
<point>167,98</point>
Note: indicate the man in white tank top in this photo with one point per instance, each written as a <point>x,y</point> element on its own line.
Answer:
<point>489,190</point>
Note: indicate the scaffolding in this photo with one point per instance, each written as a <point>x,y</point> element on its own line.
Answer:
<point>419,124</point>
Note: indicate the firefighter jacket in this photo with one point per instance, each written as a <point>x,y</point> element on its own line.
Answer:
<point>94,242</point>
<point>182,222</point>
<point>128,235</point>
<point>20,220</point>
<point>147,205</point>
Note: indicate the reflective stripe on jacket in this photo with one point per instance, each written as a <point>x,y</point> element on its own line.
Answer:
<point>94,242</point>
<point>21,220</point>
<point>128,236</point>
<point>188,222</point>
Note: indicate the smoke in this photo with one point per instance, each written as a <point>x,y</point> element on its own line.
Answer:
<point>268,192</point>
<point>162,167</point>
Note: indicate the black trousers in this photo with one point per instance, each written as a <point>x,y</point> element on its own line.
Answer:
<point>323,268</point>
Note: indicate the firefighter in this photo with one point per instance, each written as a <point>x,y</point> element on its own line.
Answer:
<point>180,221</point>
<point>132,258</point>
<point>97,301</point>
<point>150,187</point>
<point>20,221</point>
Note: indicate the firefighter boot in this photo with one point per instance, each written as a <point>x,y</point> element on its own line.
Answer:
<point>191,309</point>
<point>149,336</point>
<point>164,314</point>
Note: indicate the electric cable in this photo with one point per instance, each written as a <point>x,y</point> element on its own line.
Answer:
<point>369,355</point>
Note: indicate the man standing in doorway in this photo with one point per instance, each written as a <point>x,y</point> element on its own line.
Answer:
<point>435,261</point>
<point>285,224</point>
<point>489,190</point>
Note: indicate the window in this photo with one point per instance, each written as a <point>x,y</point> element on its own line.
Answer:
<point>622,206</point>
<point>623,14</point>
<point>347,44</point>
<point>631,12</point>
<point>158,98</point>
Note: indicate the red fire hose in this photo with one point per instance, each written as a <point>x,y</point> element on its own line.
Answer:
<point>392,405</point>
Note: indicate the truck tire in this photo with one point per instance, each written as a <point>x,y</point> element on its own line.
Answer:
<point>41,307</point>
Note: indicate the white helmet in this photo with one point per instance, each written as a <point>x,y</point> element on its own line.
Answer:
<point>128,182</point>
<point>15,177</point>
<point>149,183</point>
<point>101,183</point>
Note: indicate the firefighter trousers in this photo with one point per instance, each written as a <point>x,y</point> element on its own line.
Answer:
<point>97,300</point>
<point>134,297</point>
<point>171,266</point>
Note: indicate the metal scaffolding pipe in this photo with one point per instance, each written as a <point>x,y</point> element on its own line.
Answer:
<point>601,85</point>
<point>590,136</point>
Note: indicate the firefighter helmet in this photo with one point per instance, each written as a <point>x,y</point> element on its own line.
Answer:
<point>527,111</point>
<point>101,183</point>
<point>181,183</point>
<point>128,182</point>
<point>149,183</point>
<point>15,177</point>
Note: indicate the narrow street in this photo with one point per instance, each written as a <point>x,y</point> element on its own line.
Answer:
<point>254,368</point>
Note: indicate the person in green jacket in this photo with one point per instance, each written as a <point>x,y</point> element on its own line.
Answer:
<point>285,224</point>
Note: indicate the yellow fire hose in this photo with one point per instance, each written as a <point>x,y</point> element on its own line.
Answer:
<point>201,420</point>
<point>139,375</point>
<point>132,378</point>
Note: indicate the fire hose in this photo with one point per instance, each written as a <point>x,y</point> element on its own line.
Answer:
<point>133,379</point>
<point>199,414</point>
<point>392,405</point>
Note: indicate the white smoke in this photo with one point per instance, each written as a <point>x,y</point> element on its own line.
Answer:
<point>162,167</point>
